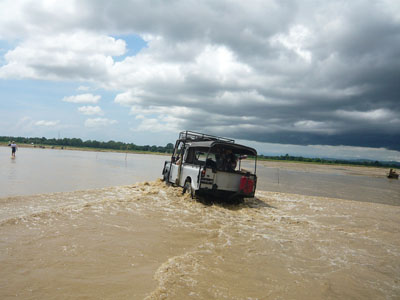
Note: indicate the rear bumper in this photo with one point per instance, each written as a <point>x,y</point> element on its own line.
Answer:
<point>215,192</point>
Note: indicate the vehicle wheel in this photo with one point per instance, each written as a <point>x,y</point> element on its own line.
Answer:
<point>165,178</point>
<point>188,189</point>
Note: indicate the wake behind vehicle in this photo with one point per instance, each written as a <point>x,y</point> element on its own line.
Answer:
<point>211,165</point>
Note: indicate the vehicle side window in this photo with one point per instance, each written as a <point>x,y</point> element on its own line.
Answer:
<point>200,157</point>
<point>190,156</point>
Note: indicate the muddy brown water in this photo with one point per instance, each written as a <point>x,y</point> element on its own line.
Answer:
<point>148,241</point>
<point>36,171</point>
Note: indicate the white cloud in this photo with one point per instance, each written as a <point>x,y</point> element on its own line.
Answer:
<point>131,97</point>
<point>296,40</point>
<point>314,126</point>
<point>90,110</point>
<point>161,124</point>
<point>46,123</point>
<point>23,17</point>
<point>219,63</point>
<point>83,88</point>
<point>372,115</point>
<point>83,98</point>
<point>99,122</point>
<point>79,55</point>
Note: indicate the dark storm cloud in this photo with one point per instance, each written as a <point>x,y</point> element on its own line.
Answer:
<point>292,72</point>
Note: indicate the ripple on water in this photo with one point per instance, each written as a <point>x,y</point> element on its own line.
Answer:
<point>149,240</point>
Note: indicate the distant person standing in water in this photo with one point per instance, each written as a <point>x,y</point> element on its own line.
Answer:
<point>13,148</point>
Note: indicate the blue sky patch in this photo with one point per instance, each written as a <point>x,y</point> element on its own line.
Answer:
<point>134,44</point>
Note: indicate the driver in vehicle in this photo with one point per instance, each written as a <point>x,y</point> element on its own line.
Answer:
<point>226,160</point>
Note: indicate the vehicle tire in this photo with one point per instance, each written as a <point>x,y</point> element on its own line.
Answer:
<point>165,176</point>
<point>187,188</point>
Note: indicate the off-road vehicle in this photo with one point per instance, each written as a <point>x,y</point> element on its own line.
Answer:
<point>212,165</point>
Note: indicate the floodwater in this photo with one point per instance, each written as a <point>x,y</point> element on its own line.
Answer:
<point>148,241</point>
<point>353,183</point>
<point>36,171</point>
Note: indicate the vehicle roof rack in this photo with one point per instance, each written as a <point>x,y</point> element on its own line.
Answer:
<point>188,136</point>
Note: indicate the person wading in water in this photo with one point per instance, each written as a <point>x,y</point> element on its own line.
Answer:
<point>13,148</point>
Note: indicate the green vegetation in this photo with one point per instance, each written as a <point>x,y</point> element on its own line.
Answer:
<point>367,163</point>
<point>119,146</point>
<point>78,143</point>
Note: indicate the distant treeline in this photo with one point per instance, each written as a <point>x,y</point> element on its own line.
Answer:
<point>369,163</point>
<point>120,146</point>
<point>74,142</point>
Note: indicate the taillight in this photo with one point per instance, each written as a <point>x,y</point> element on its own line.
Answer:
<point>246,185</point>
<point>203,173</point>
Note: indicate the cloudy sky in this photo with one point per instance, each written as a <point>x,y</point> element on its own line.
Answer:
<point>313,78</point>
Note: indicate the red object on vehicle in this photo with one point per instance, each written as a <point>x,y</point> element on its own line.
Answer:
<point>246,185</point>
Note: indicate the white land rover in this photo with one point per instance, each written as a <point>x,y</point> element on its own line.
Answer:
<point>206,164</point>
